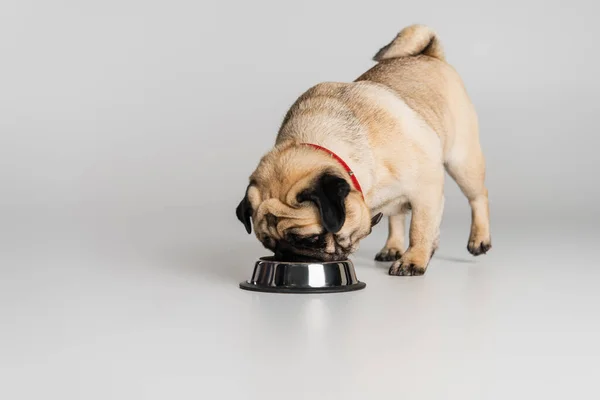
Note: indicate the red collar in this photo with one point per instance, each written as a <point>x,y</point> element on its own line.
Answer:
<point>342,162</point>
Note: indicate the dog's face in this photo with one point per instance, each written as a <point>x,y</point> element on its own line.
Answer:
<point>303,207</point>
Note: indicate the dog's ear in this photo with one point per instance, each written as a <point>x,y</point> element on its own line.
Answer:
<point>329,193</point>
<point>244,212</point>
<point>376,218</point>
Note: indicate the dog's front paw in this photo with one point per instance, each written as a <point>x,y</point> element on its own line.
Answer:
<point>479,244</point>
<point>411,264</point>
<point>388,254</point>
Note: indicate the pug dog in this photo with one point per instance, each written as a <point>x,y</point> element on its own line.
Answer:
<point>348,153</point>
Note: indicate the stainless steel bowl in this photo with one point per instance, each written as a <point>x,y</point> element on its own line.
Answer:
<point>271,275</point>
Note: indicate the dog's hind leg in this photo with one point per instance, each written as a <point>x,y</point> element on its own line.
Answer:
<point>466,165</point>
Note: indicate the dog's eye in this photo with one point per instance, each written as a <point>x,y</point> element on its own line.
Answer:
<point>313,238</point>
<point>310,240</point>
<point>306,240</point>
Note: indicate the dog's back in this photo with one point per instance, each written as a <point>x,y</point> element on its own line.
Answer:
<point>414,66</point>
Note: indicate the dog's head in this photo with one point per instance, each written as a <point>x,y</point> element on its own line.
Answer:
<point>303,206</point>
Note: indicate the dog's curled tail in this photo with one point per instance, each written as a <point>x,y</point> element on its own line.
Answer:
<point>412,41</point>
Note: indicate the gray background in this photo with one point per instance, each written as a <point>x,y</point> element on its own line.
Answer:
<point>116,110</point>
<point>128,130</point>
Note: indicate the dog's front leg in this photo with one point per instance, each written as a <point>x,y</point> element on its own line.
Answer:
<point>394,246</point>
<point>427,211</point>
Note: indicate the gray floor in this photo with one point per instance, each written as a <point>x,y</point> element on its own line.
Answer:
<point>156,313</point>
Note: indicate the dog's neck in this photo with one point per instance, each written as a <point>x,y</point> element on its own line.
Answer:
<point>340,161</point>
<point>361,164</point>
<point>350,144</point>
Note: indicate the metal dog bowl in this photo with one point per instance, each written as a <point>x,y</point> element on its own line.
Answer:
<point>275,276</point>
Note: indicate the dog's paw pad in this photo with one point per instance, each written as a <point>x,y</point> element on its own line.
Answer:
<point>413,263</point>
<point>388,254</point>
<point>479,246</point>
<point>400,268</point>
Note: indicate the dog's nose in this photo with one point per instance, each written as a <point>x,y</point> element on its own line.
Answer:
<point>282,249</point>
<point>282,245</point>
